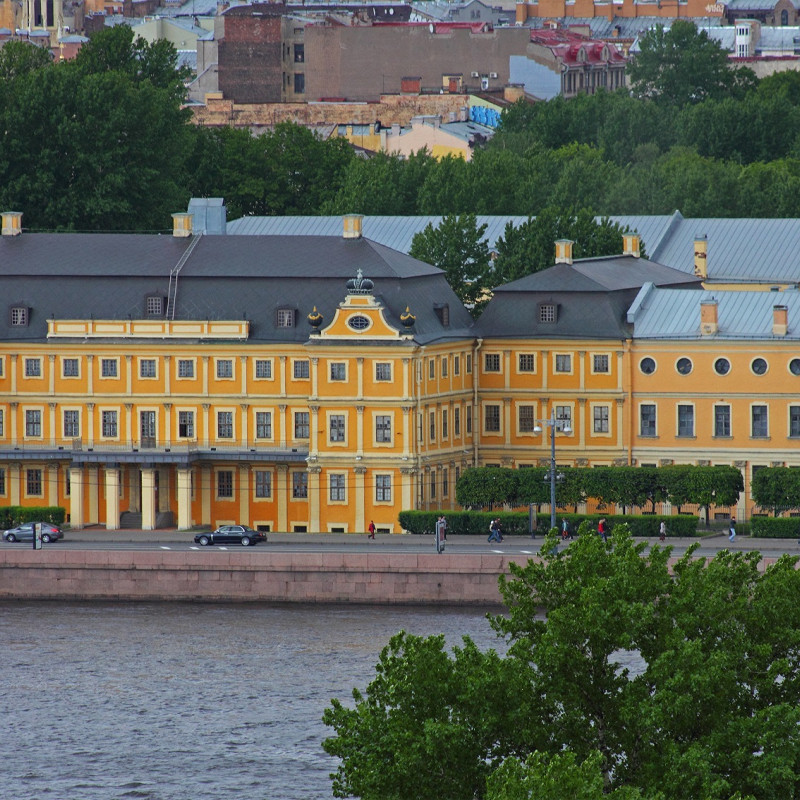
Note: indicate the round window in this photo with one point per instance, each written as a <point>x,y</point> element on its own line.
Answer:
<point>684,366</point>
<point>794,366</point>
<point>358,323</point>
<point>759,366</point>
<point>647,365</point>
<point>722,366</point>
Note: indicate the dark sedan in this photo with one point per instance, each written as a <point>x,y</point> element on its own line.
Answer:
<point>24,532</point>
<point>231,534</point>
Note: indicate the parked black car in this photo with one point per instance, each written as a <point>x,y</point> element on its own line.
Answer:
<point>24,532</point>
<point>231,534</point>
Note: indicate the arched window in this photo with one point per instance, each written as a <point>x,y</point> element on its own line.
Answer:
<point>784,18</point>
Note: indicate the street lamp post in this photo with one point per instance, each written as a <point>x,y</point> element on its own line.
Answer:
<point>554,425</point>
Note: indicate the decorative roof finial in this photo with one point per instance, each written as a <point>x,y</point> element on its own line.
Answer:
<point>359,284</point>
<point>315,318</point>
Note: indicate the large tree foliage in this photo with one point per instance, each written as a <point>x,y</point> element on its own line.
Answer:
<point>639,681</point>
<point>681,64</point>
<point>530,247</point>
<point>97,143</point>
<point>458,247</point>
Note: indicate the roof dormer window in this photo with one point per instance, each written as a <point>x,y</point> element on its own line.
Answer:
<point>547,313</point>
<point>20,316</point>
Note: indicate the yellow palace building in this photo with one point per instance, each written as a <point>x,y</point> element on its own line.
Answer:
<point>294,382</point>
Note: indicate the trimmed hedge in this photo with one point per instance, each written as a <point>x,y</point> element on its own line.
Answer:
<point>775,527</point>
<point>515,523</point>
<point>11,516</point>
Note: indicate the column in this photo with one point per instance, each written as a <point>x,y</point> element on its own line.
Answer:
<point>112,497</point>
<point>205,477</point>
<point>244,427</point>
<point>244,494</point>
<point>620,402</point>
<point>545,368</point>
<point>90,424</point>
<point>407,431</point>
<point>407,393</point>
<point>314,378</point>
<point>129,375</point>
<point>93,510</point>
<point>360,375</point>
<point>360,517</point>
<point>148,498</point>
<point>13,422</point>
<point>14,361</point>
<point>280,495</point>
<point>507,369</point>
<point>582,368</point>
<point>134,434</point>
<point>282,368</point>
<point>90,374</point>
<point>314,499</point>
<point>207,437</point>
<point>280,423</point>
<point>359,430</point>
<point>51,480</point>
<point>135,502</point>
<point>163,488</point>
<point>76,496</point>
<point>204,360</point>
<point>407,487</point>
<point>313,431</point>
<point>184,494</point>
<point>243,369</point>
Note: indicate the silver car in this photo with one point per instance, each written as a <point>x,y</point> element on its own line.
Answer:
<point>24,532</point>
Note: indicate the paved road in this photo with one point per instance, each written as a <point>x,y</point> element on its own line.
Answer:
<point>101,539</point>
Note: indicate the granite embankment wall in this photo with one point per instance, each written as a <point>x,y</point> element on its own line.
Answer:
<point>251,575</point>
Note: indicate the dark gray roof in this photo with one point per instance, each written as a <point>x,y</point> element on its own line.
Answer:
<point>108,276</point>
<point>599,290</point>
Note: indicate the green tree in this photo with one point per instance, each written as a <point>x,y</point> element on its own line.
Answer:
<point>682,64</point>
<point>481,487</point>
<point>457,246</point>
<point>673,683</point>
<point>20,58</point>
<point>530,247</point>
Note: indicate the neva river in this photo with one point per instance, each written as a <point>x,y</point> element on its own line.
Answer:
<point>188,702</point>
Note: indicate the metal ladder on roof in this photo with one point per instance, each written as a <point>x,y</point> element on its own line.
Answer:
<point>172,293</point>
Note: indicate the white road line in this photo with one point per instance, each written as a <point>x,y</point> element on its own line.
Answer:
<point>223,548</point>
<point>194,548</point>
<point>527,552</point>
<point>498,551</point>
<point>165,548</point>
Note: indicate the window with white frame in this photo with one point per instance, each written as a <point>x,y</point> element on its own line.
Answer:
<point>338,371</point>
<point>263,368</point>
<point>456,421</point>
<point>527,362</point>
<point>70,367</point>
<point>564,416</point>
<point>469,363</point>
<point>263,484</point>
<point>300,485</point>
<point>285,318</point>
<point>647,419</point>
<point>685,420</point>
<point>491,418</point>
<point>383,488</point>
<point>445,482</point>
<point>760,422</point>
<point>383,428</point>
<point>263,424</point>
<point>383,371</point>
<point>527,419</point>
<point>147,368</point>
<point>33,367</point>
<point>547,312</point>
<point>19,316</point>
<point>301,369</point>
<point>722,420</point>
<point>444,366</point>
<point>33,482</point>
<point>563,362</point>
<point>185,368</point>
<point>337,488</point>
<point>336,427</point>
<point>225,483</point>
<point>109,424</point>
<point>154,306</point>
<point>225,424</point>
<point>432,421</point>
<point>600,419</point>
<point>456,365</point>
<point>109,367</point>
<point>186,424</point>
<point>224,368</point>
<point>432,368</point>
<point>491,362</point>
<point>72,424</point>
<point>301,425</point>
<point>444,423</point>
<point>794,421</point>
<point>600,363</point>
<point>33,422</point>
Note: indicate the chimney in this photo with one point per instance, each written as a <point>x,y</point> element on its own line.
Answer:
<point>709,321</point>
<point>564,251</point>
<point>352,226</point>
<point>630,245</point>
<point>12,223</point>
<point>513,92</point>
<point>701,256</point>
<point>182,225</point>
<point>780,320</point>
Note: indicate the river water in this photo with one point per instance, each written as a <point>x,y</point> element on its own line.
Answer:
<point>180,701</point>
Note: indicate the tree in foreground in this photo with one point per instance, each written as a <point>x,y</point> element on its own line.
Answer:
<point>640,682</point>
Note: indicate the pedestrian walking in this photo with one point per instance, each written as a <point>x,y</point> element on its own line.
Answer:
<point>494,531</point>
<point>371,529</point>
<point>602,529</point>
<point>662,531</point>
<point>565,531</point>
<point>732,530</point>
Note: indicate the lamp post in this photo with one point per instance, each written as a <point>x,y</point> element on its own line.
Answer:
<point>554,425</point>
